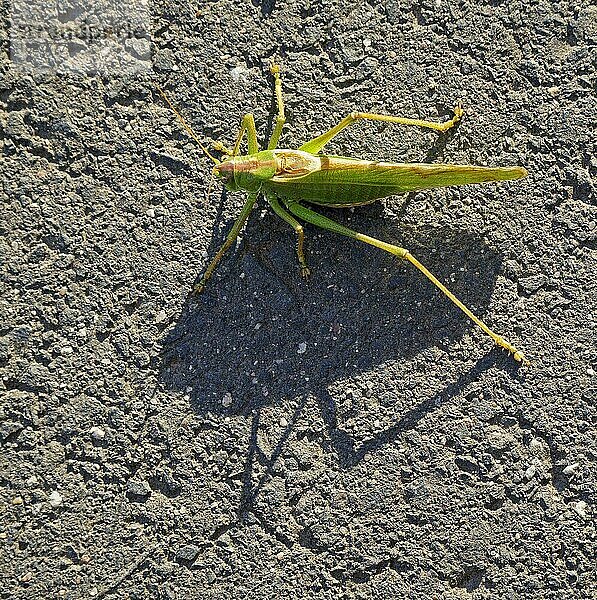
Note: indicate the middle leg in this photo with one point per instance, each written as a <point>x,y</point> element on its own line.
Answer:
<point>275,204</point>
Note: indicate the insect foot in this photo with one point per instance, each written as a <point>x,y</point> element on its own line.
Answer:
<point>516,354</point>
<point>458,112</point>
<point>520,357</point>
<point>305,272</point>
<point>198,289</point>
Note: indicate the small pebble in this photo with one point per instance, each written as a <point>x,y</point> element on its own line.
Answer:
<point>138,489</point>
<point>571,469</point>
<point>187,553</point>
<point>553,91</point>
<point>530,472</point>
<point>211,577</point>
<point>66,350</point>
<point>97,433</point>
<point>239,73</point>
<point>17,501</point>
<point>150,212</point>
<point>580,508</point>
<point>55,499</point>
<point>535,445</point>
<point>532,283</point>
<point>590,372</point>
<point>283,422</point>
<point>227,400</point>
<point>161,316</point>
<point>302,348</point>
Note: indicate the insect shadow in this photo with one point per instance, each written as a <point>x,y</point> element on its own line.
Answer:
<point>260,336</point>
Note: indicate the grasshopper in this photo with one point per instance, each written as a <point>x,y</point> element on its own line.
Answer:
<point>292,181</point>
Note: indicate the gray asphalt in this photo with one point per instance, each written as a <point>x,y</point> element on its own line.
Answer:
<point>353,436</point>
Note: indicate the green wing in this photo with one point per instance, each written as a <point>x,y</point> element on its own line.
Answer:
<point>342,181</point>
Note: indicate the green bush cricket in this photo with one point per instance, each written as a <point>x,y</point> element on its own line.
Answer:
<point>289,179</point>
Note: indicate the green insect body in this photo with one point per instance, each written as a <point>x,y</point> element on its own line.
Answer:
<point>294,180</point>
<point>339,181</point>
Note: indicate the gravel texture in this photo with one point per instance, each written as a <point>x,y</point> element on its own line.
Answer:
<point>349,437</point>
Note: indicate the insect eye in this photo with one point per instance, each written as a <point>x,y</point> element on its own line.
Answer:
<point>225,170</point>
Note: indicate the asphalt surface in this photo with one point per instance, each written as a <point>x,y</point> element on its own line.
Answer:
<point>353,436</point>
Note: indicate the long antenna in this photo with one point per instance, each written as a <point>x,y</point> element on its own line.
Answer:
<point>186,125</point>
